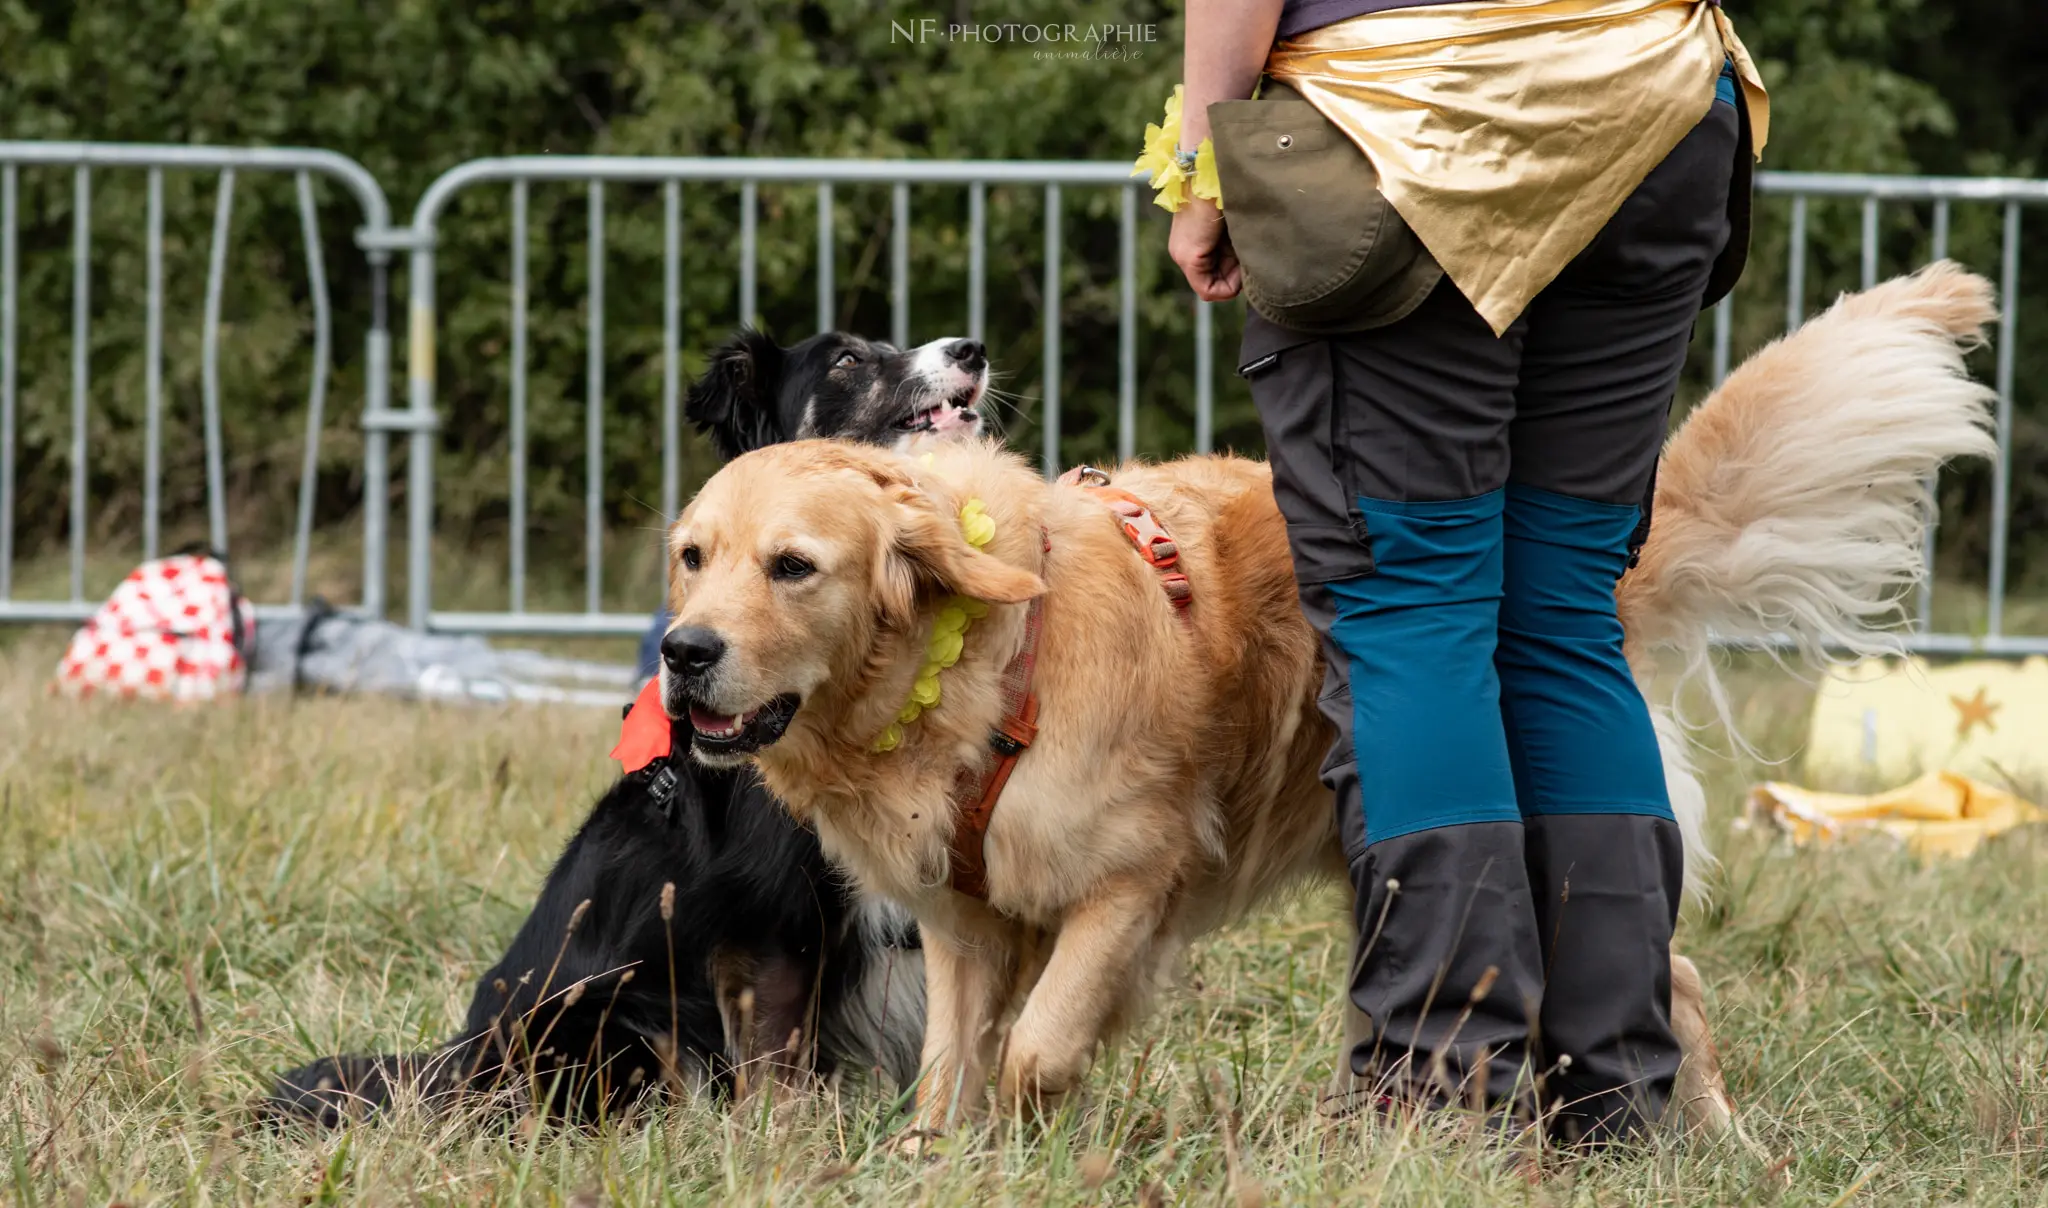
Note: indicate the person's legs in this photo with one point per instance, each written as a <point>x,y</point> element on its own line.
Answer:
<point>1389,450</point>
<point>1602,352</point>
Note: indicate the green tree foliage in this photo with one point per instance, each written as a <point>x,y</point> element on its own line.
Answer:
<point>411,88</point>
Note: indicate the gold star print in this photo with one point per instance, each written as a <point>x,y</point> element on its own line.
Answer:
<point>1972,711</point>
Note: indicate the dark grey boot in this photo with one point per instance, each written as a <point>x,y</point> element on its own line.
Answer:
<point>1446,967</point>
<point>1606,895</point>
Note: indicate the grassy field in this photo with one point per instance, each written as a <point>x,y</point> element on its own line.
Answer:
<point>191,900</point>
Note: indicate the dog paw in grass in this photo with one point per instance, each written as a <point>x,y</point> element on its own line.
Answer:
<point>917,1144</point>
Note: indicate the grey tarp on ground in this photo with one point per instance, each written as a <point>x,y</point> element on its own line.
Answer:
<point>346,653</point>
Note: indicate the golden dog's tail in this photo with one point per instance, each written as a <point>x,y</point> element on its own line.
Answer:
<point>1791,506</point>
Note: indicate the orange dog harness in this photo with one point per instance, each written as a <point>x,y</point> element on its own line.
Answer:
<point>977,791</point>
<point>1142,528</point>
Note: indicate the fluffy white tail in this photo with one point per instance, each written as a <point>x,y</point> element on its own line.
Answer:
<point>1791,505</point>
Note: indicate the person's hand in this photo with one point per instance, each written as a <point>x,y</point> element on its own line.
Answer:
<point>1201,246</point>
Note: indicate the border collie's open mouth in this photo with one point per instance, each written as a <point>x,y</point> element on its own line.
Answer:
<point>955,410</point>
<point>743,733</point>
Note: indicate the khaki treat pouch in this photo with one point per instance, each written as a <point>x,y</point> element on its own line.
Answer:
<point>1322,250</point>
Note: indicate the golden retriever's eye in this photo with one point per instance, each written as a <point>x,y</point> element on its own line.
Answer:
<point>846,360</point>
<point>692,556</point>
<point>790,566</point>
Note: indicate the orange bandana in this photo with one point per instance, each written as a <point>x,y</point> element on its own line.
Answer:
<point>644,737</point>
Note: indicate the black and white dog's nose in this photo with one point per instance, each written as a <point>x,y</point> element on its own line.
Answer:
<point>967,354</point>
<point>691,651</point>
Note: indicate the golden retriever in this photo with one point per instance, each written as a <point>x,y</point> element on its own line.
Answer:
<point>1173,782</point>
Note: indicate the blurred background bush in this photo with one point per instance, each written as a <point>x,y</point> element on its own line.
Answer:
<point>412,88</point>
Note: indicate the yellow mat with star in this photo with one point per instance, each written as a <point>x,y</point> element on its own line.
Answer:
<point>1885,721</point>
<point>1940,814</point>
<point>1963,741</point>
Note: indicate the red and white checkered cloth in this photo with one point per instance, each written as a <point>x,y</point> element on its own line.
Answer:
<point>168,632</point>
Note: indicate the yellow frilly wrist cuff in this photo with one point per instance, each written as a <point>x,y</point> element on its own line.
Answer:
<point>1173,181</point>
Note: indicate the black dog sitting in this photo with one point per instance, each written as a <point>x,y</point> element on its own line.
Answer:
<point>692,935</point>
<point>687,905</point>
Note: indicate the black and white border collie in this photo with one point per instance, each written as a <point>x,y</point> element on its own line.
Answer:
<point>692,936</point>
<point>755,393</point>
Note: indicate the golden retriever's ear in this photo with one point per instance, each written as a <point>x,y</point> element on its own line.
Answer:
<point>931,548</point>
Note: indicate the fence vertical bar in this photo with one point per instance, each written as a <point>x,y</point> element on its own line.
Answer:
<point>1924,606</point>
<point>153,369</point>
<point>1869,242</point>
<point>1205,377</point>
<point>316,389</point>
<point>420,357</point>
<point>899,265</point>
<point>825,256</point>
<point>671,352</point>
<point>593,415</point>
<point>1127,327</point>
<point>516,535</point>
<point>209,365</point>
<point>81,335</point>
<point>1049,384</point>
<point>750,207</point>
<point>977,259</point>
<point>376,438</point>
<point>1724,337</point>
<point>1795,269</point>
<point>7,287</point>
<point>2001,480</point>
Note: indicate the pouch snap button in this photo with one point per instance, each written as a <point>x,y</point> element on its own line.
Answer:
<point>1286,141</point>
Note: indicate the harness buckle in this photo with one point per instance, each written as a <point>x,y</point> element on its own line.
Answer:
<point>661,790</point>
<point>1014,736</point>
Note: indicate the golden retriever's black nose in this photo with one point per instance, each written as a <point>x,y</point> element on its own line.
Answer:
<point>967,354</point>
<point>691,650</point>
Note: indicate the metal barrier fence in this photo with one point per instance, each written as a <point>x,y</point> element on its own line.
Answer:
<point>378,239</point>
<point>305,165</point>
<point>749,175</point>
